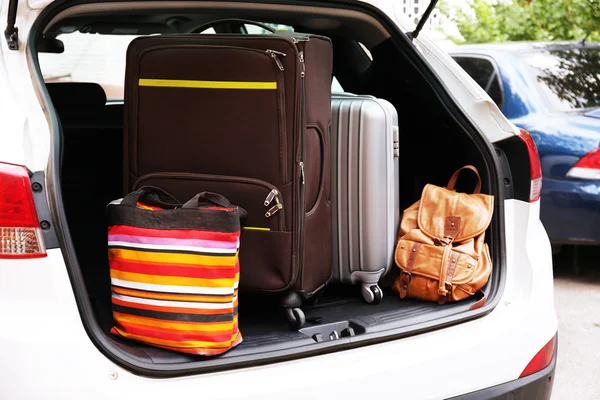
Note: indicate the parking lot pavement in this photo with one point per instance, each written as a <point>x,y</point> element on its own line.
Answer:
<point>577,297</point>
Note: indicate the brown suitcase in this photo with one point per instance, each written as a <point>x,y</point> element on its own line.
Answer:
<point>246,116</point>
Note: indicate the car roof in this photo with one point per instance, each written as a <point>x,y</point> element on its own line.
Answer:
<point>520,47</point>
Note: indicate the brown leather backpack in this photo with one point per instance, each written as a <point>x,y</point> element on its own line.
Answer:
<point>441,251</point>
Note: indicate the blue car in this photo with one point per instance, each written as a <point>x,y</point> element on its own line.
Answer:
<point>552,90</point>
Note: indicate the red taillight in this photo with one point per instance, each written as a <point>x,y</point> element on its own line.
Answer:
<point>535,166</point>
<point>20,233</point>
<point>588,167</point>
<point>542,359</point>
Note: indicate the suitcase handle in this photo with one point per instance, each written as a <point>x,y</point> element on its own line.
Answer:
<point>212,24</point>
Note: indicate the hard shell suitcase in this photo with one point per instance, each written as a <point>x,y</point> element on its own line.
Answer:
<point>245,116</point>
<point>365,190</point>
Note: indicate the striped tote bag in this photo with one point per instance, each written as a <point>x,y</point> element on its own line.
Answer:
<point>175,270</point>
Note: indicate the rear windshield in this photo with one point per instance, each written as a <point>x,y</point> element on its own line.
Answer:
<point>101,59</point>
<point>89,58</point>
<point>569,78</point>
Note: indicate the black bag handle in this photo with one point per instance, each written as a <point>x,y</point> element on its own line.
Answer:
<point>212,24</point>
<point>216,199</point>
<point>209,198</point>
<point>152,195</point>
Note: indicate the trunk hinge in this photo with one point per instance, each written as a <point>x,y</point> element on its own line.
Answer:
<point>413,35</point>
<point>12,32</point>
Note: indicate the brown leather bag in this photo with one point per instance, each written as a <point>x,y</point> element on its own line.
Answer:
<point>441,251</point>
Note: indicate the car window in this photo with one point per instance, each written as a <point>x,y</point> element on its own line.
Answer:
<point>251,29</point>
<point>89,58</point>
<point>101,59</point>
<point>257,30</point>
<point>483,71</point>
<point>569,78</point>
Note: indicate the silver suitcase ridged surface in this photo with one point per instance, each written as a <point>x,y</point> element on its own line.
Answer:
<point>365,190</point>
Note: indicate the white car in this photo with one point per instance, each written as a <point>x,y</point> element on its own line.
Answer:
<point>61,163</point>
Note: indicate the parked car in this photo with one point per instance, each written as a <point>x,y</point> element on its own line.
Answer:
<point>61,162</point>
<point>553,91</point>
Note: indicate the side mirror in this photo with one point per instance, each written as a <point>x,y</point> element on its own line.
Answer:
<point>50,45</point>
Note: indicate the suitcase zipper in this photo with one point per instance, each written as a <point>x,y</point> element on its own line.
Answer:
<point>273,194</point>
<point>302,139</point>
<point>274,54</point>
<point>301,58</point>
<point>273,210</point>
<point>302,172</point>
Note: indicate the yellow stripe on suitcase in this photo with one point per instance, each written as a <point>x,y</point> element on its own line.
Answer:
<point>207,84</point>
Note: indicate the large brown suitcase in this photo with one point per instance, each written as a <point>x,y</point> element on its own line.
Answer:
<point>246,116</point>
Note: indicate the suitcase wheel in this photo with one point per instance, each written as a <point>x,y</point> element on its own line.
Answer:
<point>295,317</point>
<point>372,294</point>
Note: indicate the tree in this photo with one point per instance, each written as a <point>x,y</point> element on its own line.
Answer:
<point>515,20</point>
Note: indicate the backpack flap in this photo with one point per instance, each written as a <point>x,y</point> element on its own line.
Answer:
<point>449,216</point>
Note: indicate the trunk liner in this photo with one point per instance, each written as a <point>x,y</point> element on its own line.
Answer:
<point>264,327</point>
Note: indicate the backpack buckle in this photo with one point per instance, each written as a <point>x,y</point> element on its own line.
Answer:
<point>403,272</point>
<point>444,241</point>
<point>405,278</point>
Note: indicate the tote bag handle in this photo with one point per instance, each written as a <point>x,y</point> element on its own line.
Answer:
<point>153,196</point>
<point>210,198</point>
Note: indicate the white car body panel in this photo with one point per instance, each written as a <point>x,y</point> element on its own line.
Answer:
<point>46,352</point>
<point>63,362</point>
<point>475,102</point>
<point>24,132</point>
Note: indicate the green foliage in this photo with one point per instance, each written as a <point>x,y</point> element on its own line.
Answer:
<point>515,20</point>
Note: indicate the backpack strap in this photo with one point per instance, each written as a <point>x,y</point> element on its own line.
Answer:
<point>454,177</point>
<point>406,274</point>
<point>479,303</point>
<point>449,259</point>
<point>451,230</point>
<point>445,288</point>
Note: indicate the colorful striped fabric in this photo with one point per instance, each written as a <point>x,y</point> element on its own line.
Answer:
<point>175,288</point>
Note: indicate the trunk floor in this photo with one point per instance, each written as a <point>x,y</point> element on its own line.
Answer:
<point>264,326</point>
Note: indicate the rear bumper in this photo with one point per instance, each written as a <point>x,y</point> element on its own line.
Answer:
<point>536,386</point>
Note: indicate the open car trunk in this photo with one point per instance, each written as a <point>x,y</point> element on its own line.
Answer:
<point>435,140</point>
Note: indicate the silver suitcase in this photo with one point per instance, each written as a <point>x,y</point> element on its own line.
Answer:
<point>365,190</point>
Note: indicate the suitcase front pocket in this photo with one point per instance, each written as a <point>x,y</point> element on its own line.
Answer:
<point>266,261</point>
<point>263,201</point>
